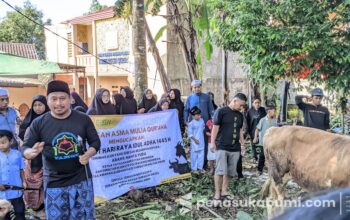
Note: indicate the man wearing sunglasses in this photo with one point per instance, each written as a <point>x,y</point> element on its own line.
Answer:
<point>8,116</point>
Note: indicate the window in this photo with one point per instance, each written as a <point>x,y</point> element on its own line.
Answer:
<point>111,40</point>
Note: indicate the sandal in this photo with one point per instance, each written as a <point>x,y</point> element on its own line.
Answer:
<point>216,202</point>
<point>228,196</point>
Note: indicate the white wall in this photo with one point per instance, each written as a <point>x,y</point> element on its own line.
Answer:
<point>56,47</point>
<point>155,23</point>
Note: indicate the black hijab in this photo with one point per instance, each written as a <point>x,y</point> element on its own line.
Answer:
<point>129,104</point>
<point>118,99</point>
<point>176,103</point>
<point>212,101</point>
<point>145,103</point>
<point>158,106</point>
<point>78,101</point>
<point>31,115</point>
<point>35,164</point>
<point>97,106</point>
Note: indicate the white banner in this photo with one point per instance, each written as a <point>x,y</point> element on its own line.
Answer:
<point>137,151</point>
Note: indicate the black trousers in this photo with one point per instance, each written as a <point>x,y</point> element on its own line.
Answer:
<point>255,153</point>
<point>240,167</point>
<point>19,208</point>
<point>205,151</point>
<point>261,160</point>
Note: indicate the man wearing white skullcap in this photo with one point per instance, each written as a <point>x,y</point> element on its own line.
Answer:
<point>204,103</point>
<point>8,116</point>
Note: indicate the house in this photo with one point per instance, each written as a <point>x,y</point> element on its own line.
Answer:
<point>102,43</point>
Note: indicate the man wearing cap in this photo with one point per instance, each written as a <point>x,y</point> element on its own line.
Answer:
<point>204,103</point>
<point>60,135</point>
<point>315,115</point>
<point>8,116</point>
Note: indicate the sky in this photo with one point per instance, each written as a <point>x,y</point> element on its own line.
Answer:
<point>57,11</point>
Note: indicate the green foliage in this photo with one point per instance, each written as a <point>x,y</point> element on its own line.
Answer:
<point>336,121</point>
<point>160,32</point>
<point>156,5</point>
<point>293,114</point>
<point>96,6</point>
<point>198,13</point>
<point>18,29</point>
<point>122,8</point>
<point>271,34</point>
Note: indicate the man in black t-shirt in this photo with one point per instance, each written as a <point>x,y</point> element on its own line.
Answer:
<point>315,114</point>
<point>60,136</point>
<point>228,142</point>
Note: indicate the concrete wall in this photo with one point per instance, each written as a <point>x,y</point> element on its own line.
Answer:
<point>18,96</point>
<point>211,75</point>
<point>113,35</point>
<point>113,84</point>
<point>155,23</point>
<point>57,48</point>
<point>169,50</point>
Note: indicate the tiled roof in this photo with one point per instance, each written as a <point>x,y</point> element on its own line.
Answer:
<point>87,19</point>
<point>18,82</point>
<point>19,49</point>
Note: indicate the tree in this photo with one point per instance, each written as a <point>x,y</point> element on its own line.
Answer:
<point>187,23</point>
<point>96,6</point>
<point>16,28</point>
<point>295,39</point>
<point>122,9</point>
<point>139,47</point>
<point>190,24</point>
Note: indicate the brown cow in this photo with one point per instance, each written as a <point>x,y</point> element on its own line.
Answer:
<point>315,159</point>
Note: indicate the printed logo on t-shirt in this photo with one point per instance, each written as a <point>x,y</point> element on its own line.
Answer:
<point>234,135</point>
<point>65,146</point>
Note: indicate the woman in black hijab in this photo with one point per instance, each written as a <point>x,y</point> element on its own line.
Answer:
<point>129,104</point>
<point>77,101</point>
<point>33,173</point>
<point>118,99</point>
<point>147,102</point>
<point>176,103</point>
<point>162,105</point>
<point>101,104</point>
<point>211,95</point>
<point>39,107</point>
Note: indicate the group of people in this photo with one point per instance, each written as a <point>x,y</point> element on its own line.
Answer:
<point>53,136</point>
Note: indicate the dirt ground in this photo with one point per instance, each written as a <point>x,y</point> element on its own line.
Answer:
<point>179,200</point>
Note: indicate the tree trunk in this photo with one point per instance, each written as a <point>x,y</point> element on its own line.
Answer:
<point>153,47</point>
<point>224,78</point>
<point>139,47</point>
<point>284,100</point>
<point>188,48</point>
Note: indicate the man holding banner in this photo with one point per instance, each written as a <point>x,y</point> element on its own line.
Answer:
<point>60,136</point>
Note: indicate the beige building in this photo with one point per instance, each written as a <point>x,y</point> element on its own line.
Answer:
<point>108,37</point>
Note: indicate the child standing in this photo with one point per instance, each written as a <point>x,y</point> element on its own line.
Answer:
<point>12,174</point>
<point>196,134</point>
<point>264,124</point>
<point>211,155</point>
